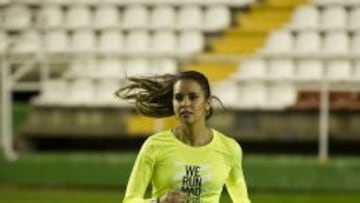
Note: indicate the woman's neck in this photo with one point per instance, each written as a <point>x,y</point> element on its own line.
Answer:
<point>194,135</point>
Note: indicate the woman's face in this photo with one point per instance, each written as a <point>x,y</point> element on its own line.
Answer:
<point>189,101</point>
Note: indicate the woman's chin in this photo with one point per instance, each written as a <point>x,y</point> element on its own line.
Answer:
<point>186,119</point>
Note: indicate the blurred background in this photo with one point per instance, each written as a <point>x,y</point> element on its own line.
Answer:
<point>287,72</point>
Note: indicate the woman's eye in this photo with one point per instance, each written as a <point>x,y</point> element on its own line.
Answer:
<point>193,97</point>
<point>178,97</point>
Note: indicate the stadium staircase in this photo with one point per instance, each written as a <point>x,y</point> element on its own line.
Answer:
<point>245,37</point>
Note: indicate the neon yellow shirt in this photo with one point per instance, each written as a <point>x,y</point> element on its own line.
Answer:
<point>201,172</point>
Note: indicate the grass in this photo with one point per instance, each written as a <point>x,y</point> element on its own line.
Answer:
<point>58,196</point>
<point>280,173</point>
<point>14,195</point>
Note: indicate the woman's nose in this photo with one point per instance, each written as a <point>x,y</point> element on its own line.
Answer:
<point>185,101</point>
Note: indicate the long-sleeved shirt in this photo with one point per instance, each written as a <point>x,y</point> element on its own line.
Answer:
<point>200,172</point>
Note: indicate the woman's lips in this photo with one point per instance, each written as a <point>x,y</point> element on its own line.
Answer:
<point>185,113</point>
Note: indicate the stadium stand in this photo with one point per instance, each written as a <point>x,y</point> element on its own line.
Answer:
<point>266,57</point>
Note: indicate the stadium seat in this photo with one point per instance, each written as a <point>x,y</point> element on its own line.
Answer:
<point>355,43</point>
<point>82,68</point>
<point>281,69</point>
<point>309,70</point>
<point>137,41</point>
<point>135,16</point>
<point>279,41</point>
<point>83,41</point>
<point>164,65</point>
<point>305,17</point>
<point>190,42</point>
<point>5,2</point>
<point>106,16</point>
<point>53,92</point>
<point>307,101</point>
<point>308,42</point>
<point>163,17</point>
<point>28,42</point>
<point>228,93</point>
<point>334,17</point>
<point>336,42</point>
<point>104,92</point>
<point>280,96</point>
<point>17,17</point>
<point>52,16</point>
<point>78,16</point>
<point>251,69</point>
<point>190,17</point>
<point>252,95</point>
<point>81,92</point>
<point>56,41</point>
<point>164,42</point>
<point>137,67</point>
<point>60,2</point>
<point>354,16</point>
<point>111,68</point>
<point>216,18</point>
<point>3,42</point>
<point>239,3</point>
<point>330,2</point>
<point>339,70</point>
<point>356,71</point>
<point>111,41</point>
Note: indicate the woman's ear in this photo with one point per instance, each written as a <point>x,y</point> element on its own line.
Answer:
<point>208,104</point>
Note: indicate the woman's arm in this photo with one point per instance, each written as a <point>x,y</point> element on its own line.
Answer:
<point>140,175</point>
<point>235,183</point>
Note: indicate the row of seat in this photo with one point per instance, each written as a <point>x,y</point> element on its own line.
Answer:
<point>93,82</point>
<point>302,70</point>
<point>255,95</point>
<point>251,90</point>
<point>338,100</point>
<point>312,41</point>
<point>277,95</point>
<point>336,2</point>
<point>250,69</point>
<point>110,41</point>
<point>209,18</point>
<point>232,3</point>
<point>80,92</point>
<point>171,42</point>
<point>330,17</point>
<point>114,68</point>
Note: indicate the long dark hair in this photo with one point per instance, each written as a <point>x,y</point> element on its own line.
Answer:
<point>152,95</point>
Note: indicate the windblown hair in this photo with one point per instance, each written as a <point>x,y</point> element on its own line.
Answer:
<point>153,95</point>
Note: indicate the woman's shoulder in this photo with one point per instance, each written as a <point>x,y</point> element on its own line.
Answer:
<point>159,136</point>
<point>226,141</point>
<point>224,138</point>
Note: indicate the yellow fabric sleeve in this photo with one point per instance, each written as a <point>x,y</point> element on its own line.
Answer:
<point>140,176</point>
<point>235,183</point>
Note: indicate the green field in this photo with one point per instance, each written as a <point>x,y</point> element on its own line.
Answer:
<point>89,177</point>
<point>95,196</point>
<point>275,173</point>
